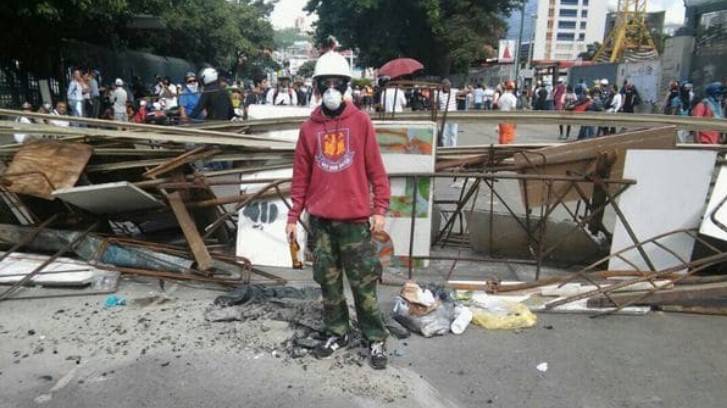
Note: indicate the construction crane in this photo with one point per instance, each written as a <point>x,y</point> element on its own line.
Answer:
<point>630,39</point>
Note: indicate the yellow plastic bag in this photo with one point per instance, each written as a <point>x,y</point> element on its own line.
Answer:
<point>506,316</point>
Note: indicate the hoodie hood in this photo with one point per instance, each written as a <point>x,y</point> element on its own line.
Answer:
<point>319,117</point>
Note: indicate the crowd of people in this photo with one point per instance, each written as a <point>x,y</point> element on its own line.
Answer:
<point>210,96</point>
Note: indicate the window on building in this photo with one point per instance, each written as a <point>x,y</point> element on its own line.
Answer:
<point>566,36</point>
<point>567,24</point>
<point>568,12</point>
<point>584,13</point>
<point>585,2</point>
<point>583,25</point>
<point>582,37</point>
<point>568,2</point>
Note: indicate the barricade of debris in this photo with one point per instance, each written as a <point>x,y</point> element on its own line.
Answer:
<point>176,203</point>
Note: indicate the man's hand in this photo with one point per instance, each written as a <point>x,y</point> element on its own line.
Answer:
<point>291,232</point>
<point>377,223</point>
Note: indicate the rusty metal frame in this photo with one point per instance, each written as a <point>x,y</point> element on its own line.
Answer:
<point>689,268</point>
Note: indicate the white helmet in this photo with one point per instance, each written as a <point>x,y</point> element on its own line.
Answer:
<point>332,64</point>
<point>604,82</point>
<point>208,75</point>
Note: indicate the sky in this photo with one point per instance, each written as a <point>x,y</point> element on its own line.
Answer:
<point>287,10</point>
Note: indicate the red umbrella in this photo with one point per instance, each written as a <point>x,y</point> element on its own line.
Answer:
<point>400,67</point>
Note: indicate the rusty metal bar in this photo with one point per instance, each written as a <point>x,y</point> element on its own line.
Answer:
<point>28,239</point>
<point>50,260</point>
<point>413,225</point>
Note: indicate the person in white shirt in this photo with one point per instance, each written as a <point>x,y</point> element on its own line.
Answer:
<point>22,137</point>
<point>448,103</point>
<point>479,97</point>
<point>393,100</point>
<point>118,99</point>
<point>167,94</point>
<point>614,106</point>
<point>283,94</point>
<point>60,110</point>
<point>489,98</point>
<point>507,102</point>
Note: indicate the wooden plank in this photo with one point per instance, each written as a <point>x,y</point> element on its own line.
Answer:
<point>169,134</point>
<point>196,244</point>
<point>580,156</point>
<point>195,154</point>
<point>42,166</point>
<point>667,296</point>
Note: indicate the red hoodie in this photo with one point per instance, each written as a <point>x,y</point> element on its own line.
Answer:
<point>337,166</point>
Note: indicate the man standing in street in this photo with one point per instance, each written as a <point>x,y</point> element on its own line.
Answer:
<point>118,99</point>
<point>507,102</point>
<point>282,94</point>
<point>214,100</point>
<point>337,167</point>
<point>448,103</point>
<point>75,94</point>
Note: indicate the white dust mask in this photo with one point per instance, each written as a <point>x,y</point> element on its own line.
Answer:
<point>332,98</point>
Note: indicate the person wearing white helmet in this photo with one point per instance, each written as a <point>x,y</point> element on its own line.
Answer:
<point>214,99</point>
<point>118,100</point>
<point>337,166</point>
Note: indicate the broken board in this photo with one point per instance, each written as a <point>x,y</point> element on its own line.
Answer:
<point>408,147</point>
<point>261,225</point>
<point>64,272</point>
<point>42,166</point>
<point>579,157</point>
<point>717,208</point>
<point>109,198</point>
<point>669,194</point>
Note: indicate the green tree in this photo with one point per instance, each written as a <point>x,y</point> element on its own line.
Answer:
<point>444,35</point>
<point>306,69</point>
<point>202,31</point>
<point>287,36</point>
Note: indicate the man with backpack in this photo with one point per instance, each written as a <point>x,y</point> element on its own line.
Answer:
<point>283,93</point>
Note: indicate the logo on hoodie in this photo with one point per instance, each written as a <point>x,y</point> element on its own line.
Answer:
<point>334,151</point>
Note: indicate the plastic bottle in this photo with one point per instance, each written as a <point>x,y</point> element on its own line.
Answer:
<point>462,319</point>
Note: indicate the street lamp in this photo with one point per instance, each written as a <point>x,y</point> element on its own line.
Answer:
<point>531,49</point>
<point>519,44</point>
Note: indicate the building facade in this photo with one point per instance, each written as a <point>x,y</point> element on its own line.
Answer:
<point>563,28</point>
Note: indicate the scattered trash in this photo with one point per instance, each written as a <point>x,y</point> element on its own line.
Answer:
<point>542,367</point>
<point>114,300</point>
<point>495,313</point>
<point>462,319</point>
<point>399,352</point>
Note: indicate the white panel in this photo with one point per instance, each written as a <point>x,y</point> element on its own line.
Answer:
<point>399,230</point>
<point>407,163</point>
<point>60,272</point>
<point>719,195</point>
<point>272,111</point>
<point>261,226</point>
<point>108,198</point>
<point>669,195</point>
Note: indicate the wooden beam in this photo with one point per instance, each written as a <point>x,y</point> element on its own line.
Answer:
<point>667,296</point>
<point>194,239</point>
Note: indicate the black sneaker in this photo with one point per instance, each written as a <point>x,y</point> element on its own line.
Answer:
<point>329,346</point>
<point>378,355</point>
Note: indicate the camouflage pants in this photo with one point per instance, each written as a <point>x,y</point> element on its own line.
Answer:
<point>347,246</point>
